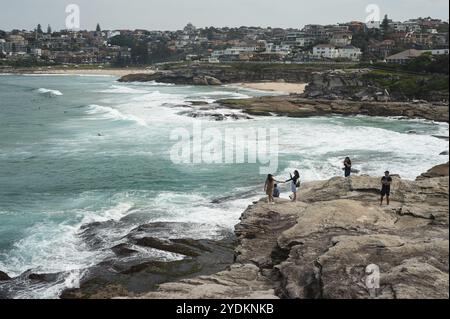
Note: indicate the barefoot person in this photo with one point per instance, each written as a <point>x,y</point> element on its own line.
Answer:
<point>386,182</point>
<point>295,184</point>
<point>269,187</point>
<point>347,166</point>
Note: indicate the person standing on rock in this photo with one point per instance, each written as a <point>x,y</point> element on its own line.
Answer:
<point>269,188</point>
<point>295,184</point>
<point>386,182</point>
<point>347,166</point>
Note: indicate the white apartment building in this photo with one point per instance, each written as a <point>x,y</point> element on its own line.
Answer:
<point>325,51</point>
<point>232,51</point>
<point>280,49</point>
<point>350,52</point>
<point>328,51</point>
<point>439,52</point>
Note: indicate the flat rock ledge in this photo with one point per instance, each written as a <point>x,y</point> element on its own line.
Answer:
<point>321,247</point>
<point>298,106</point>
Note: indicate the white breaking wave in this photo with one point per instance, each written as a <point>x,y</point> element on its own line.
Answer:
<point>188,208</point>
<point>116,89</point>
<point>152,83</point>
<point>113,114</point>
<point>221,94</point>
<point>58,248</point>
<point>49,92</point>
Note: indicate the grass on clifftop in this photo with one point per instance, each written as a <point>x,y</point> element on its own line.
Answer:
<point>411,85</point>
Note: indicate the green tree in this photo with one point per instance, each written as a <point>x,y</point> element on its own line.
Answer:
<point>427,63</point>
<point>385,25</point>
<point>122,40</point>
<point>139,53</point>
<point>49,29</point>
<point>98,28</point>
<point>421,63</point>
<point>39,29</point>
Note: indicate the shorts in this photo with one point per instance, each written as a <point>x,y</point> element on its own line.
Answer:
<point>385,192</point>
<point>293,187</point>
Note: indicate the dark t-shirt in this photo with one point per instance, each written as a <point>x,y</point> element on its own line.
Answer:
<point>386,179</point>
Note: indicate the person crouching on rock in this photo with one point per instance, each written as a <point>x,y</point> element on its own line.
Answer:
<point>269,188</point>
<point>276,191</point>
<point>347,166</point>
<point>386,182</point>
<point>295,184</point>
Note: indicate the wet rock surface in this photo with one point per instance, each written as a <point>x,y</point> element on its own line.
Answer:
<point>4,276</point>
<point>135,260</point>
<point>148,257</point>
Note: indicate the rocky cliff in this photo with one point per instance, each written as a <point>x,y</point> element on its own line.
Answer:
<point>321,247</point>
<point>223,74</point>
<point>368,85</point>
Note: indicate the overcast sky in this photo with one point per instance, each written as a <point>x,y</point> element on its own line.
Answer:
<point>174,14</point>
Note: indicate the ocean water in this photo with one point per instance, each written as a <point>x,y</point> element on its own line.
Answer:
<point>81,149</point>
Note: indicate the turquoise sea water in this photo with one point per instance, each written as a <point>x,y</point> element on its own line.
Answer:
<point>80,149</point>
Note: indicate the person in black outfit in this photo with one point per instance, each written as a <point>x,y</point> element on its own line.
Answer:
<point>347,166</point>
<point>295,184</point>
<point>386,182</point>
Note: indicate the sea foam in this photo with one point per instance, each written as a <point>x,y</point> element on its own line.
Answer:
<point>49,92</point>
<point>113,114</point>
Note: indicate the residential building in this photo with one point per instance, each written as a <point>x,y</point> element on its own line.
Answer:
<point>405,56</point>
<point>315,31</point>
<point>329,51</point>
<point>279,49</point>
<point>350,52</point>
<point>325,51</point>
<point>439,52</point>
<point>304,42</point>
<point>341,39</point>
<point>381,49</point>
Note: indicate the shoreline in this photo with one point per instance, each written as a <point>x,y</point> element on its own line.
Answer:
<point>276,87</point>
<point>119,72</point>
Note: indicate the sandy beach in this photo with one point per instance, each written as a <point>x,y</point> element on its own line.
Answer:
<point>294,88</point>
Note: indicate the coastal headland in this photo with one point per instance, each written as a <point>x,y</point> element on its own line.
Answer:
<point>318,91</point>
<point>319,247</point>
<point>316,248</point>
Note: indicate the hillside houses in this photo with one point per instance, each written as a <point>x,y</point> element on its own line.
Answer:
<point>351,41</point>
